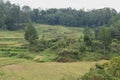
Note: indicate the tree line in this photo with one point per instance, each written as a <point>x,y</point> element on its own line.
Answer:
<point>73,17</point>
<point>13,17</point>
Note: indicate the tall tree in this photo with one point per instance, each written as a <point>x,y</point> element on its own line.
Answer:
<point>26,10</point>
<point>12,17</point>
<point>30,34</point>
<point>35,15</point>
<point>105,37</point>
<point>88,36</point>
<point>2,15</point>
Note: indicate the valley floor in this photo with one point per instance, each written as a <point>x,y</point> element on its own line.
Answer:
<point>29,70</point>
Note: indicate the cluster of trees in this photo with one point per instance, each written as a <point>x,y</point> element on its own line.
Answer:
<point>13,17</point>
<point>73,17</point>
<point>103,38</point>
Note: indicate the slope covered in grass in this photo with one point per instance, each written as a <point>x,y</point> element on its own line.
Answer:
<point>12,43</point>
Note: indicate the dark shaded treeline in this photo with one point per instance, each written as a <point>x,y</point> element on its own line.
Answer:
<point>72,17</point>
<point>12,17</point>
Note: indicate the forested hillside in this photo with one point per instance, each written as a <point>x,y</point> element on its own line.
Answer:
<point>58,44</point>
<point>13,17</point>
<point>100,33</point>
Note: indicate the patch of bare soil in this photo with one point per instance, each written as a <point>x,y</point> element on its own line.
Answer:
<point>14,68</point>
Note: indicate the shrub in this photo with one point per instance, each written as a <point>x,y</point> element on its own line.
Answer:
<point>83,48</point>
<point>60,44</point>
<point>97,75</point>
<point>115,40</point>
<point>90,56</point>
<point>40,45</point>
<point>12,54</point>
<point>114,67</point>
<point>23,55</point>
<point>64,59</point>
<point>67,55</point>
<point>68,52</point>
<point>34,47</point>
<point>87,40</point>
<point>107,71</point>
<point>115,47</point>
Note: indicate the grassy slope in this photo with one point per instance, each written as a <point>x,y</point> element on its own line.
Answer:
<point>12,41</point>
<point>53,32</point>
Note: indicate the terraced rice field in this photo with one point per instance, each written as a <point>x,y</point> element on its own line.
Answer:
<point>21,69</point>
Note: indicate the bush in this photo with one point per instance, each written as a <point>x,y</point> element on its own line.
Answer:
<point>64,59</point>
<point>68,52</point>
<point>87,40</point>
<point>8,54</point>
<point>115,40</point>
<point>39,45</point>
<point>114,67</point>
<point>115,47</point>
<point>23,55</point>
<point>34,47</point>
<point>90,56</point>
<point>107,71</point>
<point>12,54</point>
<point>67,55</point>
<point>97,75</point>
<point>83,48</point>
<point>60,44</point>
<point>18,55</point>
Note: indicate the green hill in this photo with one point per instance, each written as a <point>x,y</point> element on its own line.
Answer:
<point>13,43</point>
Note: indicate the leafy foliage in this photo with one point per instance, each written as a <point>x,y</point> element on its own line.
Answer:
<point>12,17</point>
<point>31,34</point>
<point>105,38</point>
<point>107,71</point>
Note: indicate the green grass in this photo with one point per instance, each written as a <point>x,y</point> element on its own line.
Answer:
<point>48,55</point>
<point>10,61</point>
<point>11,34</point>
<point>58,31</point>
<point>13,41</point>
<point>20,69</point>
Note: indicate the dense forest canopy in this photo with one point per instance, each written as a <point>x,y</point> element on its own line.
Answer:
<point>13,17</point>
